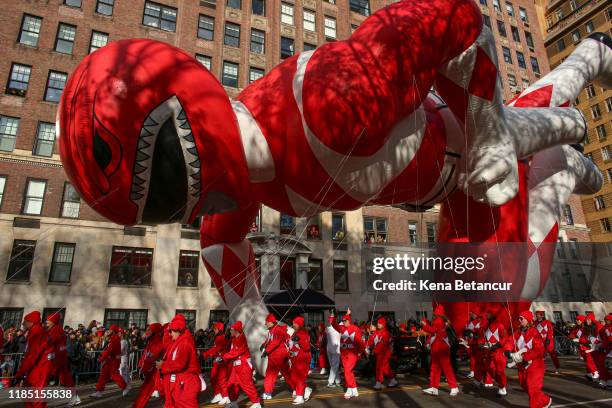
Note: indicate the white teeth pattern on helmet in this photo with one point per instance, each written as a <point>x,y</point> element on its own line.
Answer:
<point>146,146</point>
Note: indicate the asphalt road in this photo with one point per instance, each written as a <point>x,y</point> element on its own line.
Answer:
<point>568,389</point>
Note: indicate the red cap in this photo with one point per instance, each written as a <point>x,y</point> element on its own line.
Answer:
<point>439,310</point>
<point>54,318</point>
<point>581,318</point>
<point>271,318</point>
<point>299,321</point>
<point>219,326</point>
<point>237,326</point>
<point>346,317</point>
<point>527,315</point>
<point>155,328</point>
<point>178,323</point>
<point>402,326</point>
<point>608,317</point>
<point>540,313</point>
<point>114,327</point>
<point>321,326</point>
<point>382,321</point>
<point>591,316</point>
<point>33,317</point>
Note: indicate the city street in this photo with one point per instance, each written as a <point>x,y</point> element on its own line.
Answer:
<point>569,389</point>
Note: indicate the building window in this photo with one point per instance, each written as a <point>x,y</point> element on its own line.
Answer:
<point>595,112</point>
<point>487,21</point>
<point>606,154</point>
<point>431,232</point>
<point>61,267</point>
<point>64,42</point>
<point>258,7</point>
<point>287,224</point>
<point>30,30</point>
<point>589,27</point>
<point>413,234</point>
<point>236,4</point>
<point>496,5</point>
<point>590,90</point>
<point>71,202</point>
<point>576,36</point>
<point>507,55</point>
<point>230,74</point>
<point>609,104</point>
<point>126,318</point>
<point>600,203</point>
<point>315,274</point>
<point>218,316</point>
<point>8,133</point>
<point>338,229</point>
<point>190,318</point>
<point>516,36</point>
<point>45,139</point>
<point>511,81</point>
<point>529,39</point>
<point>520,58</point>
<point>206,27</point>
<point>11,317</point>
<point>232,35</point>
<point>609,173</point>
<point>159,16</point>
<point>189,264</point>
<point>287,47</point>
<point>35,193</point>
<point>341,276</point>
<point>567,214</point>
<point>330,27</point>
<point>573,5</point>
<point>605,225</point>
<point>501,27</point>
<point>255,74</point>
<point>105,7</point>
<point>258,41</point>
<point>2,187</point>
<point>375,230</point>
<point>510,9</point>
<point>73,3</point>
<point>535,66</point>
<point>55,85</point>
<point>360,6</point>
<point>313,227</point>
<point>310,18</point>
<point>561,44</point>
<point>558,316</point>
<point>19,80</point>
<point>204,60</point>
<point>483,2</point>
<point>601,132</point>
<point>286,13</point>
<point>20,264</point>
<point>309,47</point>
<point>525,83</point>
<point>131,266</point>
<point>98,40</point>
<point>523,15</point>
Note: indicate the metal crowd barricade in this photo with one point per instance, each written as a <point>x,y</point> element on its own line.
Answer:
<point>9,364</point>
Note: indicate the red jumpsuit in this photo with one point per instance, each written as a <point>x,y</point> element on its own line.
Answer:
<point>474,351</point>
<point>111,359</point>
<point>531,370</point>
<point>152,352</point>
<point>37,364</point>
<point>440,353</point>
<point>382,342</point>
<point>351,344</point>
<point>545,328</point>
<point>241,376</point>
<point>322,346</point>
<point>278,355</point>
<point>219,374</point>
<point>61,368</point>
<point>494,358</point>
<point>180,370</point>
<point>299,349</point>
<point>589,364</point>
<point>599,341</point>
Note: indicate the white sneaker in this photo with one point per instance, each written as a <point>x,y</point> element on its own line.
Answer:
<point>225,401</point>
<point>216,399</point>
<point>470,375</point>
<point>256,405</point>
<point>307,393</point>
<point>299,400</point>
<point>596,375</point>
<point>557,371</point>
<point>502,392</point>
<point>155,394</point>
<point>126,390</point>
<point>323,371</point>
<point>431,391</point>
<point>348,394</point>
<point>378,386</point>
<point>488,385</point>
<point>454,392</point>
<point>393,383</point>
<point>96,394</point>
<point>265,396</point>
<point>294,394</point>
<point>74,401</point>
<point>355,392</point>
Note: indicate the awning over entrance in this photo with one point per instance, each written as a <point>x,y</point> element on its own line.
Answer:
<point>290,303</point>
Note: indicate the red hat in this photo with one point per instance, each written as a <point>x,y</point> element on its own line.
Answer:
<point>237,326</point>
<point>540,313</point>
<point>114,327</point>
<point>346,317</point>
<point>178,323</point>
<point>402,326</point>
<point>33,317</point>
<point>271,318</point>
<point>299,321</point>
<point>321,325</point>
<point>382,321</point>
<point>608,317</point>
<point>581,318</point>
<point>591,316</point>
<point>439,310</point>
<point>54,318</point>
<point>155,328</point>
<point>219,326</point>
<point>527,315</point>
